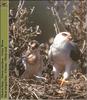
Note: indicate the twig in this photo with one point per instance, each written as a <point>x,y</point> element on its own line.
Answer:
<point>18,91</point>
<point>84,77</point>
<point>83,47</point>
<point>21,3</point>
<point>80,95</point>
<point>35,95</point>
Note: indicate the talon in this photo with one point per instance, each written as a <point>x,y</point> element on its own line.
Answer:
<point>62,81</point>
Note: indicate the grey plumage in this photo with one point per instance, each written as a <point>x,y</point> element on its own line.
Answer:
<point>64,54</point>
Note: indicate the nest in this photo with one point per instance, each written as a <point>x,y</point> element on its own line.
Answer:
<point>76,88</point>
<point>20,36</point>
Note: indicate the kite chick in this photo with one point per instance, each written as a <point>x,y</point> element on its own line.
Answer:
<point>32,61</point>
<point>64,54</point>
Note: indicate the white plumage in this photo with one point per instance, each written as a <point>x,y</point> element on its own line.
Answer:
<point>63,54</point>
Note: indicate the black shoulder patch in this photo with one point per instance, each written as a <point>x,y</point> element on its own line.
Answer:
<point>75,53</point>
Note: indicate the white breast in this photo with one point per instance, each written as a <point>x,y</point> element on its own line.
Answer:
<point>60,53</point>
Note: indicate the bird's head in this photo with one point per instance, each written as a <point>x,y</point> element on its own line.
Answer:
<point>66,35</point>
<point>63,36</point>
<point>33,44</point>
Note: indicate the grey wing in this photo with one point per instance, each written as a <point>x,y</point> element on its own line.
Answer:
<point>75,52</point>
<point>19,69</point>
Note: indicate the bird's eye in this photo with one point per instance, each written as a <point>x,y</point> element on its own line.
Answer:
<point>64,34</point>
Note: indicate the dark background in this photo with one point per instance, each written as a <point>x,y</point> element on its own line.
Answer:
<point>42,16</point>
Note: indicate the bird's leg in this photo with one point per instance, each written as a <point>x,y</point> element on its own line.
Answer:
<point>63,81</point>
<point>55,71</point>
<point>65,75</point>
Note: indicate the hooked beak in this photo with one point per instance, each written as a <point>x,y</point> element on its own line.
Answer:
<point>70,37</point>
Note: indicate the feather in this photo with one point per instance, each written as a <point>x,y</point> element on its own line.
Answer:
<point>75,53</point>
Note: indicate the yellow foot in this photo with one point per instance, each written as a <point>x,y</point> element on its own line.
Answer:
<point>62,81</point>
